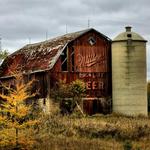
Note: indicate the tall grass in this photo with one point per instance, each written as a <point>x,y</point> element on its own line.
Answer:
<point>93,132</point>
<point>98,132</point>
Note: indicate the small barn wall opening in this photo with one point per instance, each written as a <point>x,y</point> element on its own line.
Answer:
<point>64,60</point>
<point>97,105</point>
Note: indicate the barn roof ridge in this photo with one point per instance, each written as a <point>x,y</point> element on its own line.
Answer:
<point>43,55</point>
<point>54,38</point>
<point>61,36</point>
<point>77,34</point>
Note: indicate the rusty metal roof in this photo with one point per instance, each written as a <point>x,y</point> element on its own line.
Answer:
<point>40,56</point>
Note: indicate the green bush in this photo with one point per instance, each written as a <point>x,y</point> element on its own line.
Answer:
<point>68,95</point>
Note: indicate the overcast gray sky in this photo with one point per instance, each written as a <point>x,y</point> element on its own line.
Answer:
<point>21,20</point>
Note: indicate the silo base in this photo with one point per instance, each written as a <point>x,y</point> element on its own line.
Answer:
<point>131,110</point>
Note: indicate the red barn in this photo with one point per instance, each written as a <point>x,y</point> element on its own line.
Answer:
<point>82,55</point>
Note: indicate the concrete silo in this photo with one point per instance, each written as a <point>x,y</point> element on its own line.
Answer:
<point>129,85</point>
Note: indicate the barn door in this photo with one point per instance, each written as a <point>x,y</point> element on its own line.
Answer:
<point>93,106</point>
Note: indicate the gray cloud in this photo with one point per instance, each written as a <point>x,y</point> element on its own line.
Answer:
<point>24,19</point>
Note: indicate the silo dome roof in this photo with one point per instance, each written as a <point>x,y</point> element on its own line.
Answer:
<point>129,35</point>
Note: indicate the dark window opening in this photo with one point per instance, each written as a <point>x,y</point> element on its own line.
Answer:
<point>64,61</point>
<point>129,35</point>
<point>91,41</point>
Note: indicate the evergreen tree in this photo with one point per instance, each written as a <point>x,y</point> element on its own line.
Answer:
<point>15,117</point>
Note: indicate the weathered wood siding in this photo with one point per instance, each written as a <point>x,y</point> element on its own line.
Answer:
<point>88,59</point>
<point>92,64</point>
